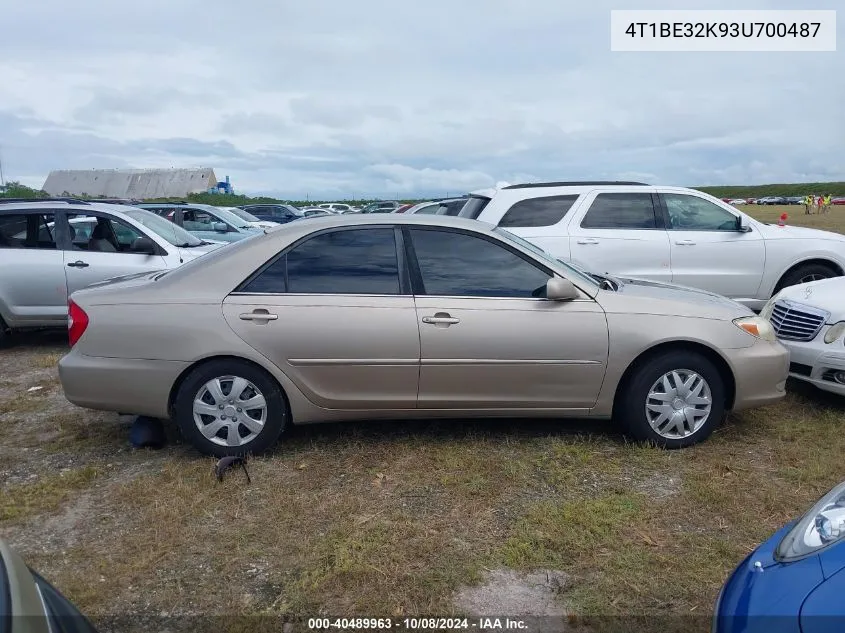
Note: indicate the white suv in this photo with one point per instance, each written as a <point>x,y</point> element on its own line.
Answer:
<point>664,234</point>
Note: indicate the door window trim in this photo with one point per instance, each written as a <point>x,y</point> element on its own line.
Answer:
<point>405,289</point>
<point>63,224</point>
<point>416,273</point>
<point>660,218</point>
<point>664,209</point>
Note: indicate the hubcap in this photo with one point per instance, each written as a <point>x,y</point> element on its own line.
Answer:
<point>813,277</point>
<point>230,411</point>
<point>678,404</point>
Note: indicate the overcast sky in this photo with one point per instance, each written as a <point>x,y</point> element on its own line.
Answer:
<point>379,98</point>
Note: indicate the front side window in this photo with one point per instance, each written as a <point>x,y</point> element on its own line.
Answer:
<point>101,234</point>
<point>621,211</point>
<point>355,261</point>
<point>196,220</point>
<point>28,230</point>
<point>691,213</point>
<point>460,265</point>
<point>546,211</point>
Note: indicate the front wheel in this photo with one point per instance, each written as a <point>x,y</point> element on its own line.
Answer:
<point>673,400</point>
<point>230,407</point>
<point>804,274</point>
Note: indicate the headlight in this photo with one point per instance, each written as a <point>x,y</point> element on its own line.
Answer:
<point>834,332</point>
<point>821,527</point>
<point>757,326</point>
<point>766,312</point>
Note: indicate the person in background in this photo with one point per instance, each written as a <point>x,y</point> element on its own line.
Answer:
<point>820,203</point>
<point>827,199</point>
<point>808,204</point>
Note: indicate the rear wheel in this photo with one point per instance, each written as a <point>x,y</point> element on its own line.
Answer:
<point>230,407</point>
<point>673,400</point>
<point>806,273</point>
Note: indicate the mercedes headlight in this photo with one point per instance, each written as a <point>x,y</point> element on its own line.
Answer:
<point>757,326</point>
<point>820,528</point>
<point>834,332</point>
<point>766,312</point>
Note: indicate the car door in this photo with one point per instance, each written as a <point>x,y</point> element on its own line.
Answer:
<point>32,278</point>
<point>101,249</point>
<point>707,249</point>
<point>488,338</point>
<point>334,314</point>
<point>621,233</point>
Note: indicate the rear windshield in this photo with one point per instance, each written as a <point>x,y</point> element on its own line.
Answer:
<point>473,207</point>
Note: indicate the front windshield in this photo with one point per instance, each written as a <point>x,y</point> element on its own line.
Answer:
<point>229,217</point>
<point>243,215</point>
<point>171,232</point>
<point>540,253</point>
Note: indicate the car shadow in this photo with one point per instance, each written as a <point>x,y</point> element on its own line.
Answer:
<point>817,396</point>
<point>48,337</point>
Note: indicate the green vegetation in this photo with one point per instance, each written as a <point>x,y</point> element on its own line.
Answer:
<point>761,191</point>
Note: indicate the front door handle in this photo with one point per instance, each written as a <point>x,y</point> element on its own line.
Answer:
<point>588,240</point>
<point>441,318</point>
<point>78,264</point>
<point>258,315</point>
<point>685,243</point>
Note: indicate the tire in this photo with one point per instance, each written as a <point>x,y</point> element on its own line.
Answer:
<point>805,273</point>
<point>633,410</point>
<point>265,424</point>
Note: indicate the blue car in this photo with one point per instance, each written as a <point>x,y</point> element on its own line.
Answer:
<point>206,222</point>
<point>795,581</point>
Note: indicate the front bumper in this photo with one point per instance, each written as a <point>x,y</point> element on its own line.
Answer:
<point>817,362</point>
<point>760,373</point>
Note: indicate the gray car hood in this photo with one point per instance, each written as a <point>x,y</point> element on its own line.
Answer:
<point>826,294</point>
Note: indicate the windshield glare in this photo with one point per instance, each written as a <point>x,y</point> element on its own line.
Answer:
<point>228,217</point>
<point>243,215</point>
<point>173,233</point>
<point>550,259</point>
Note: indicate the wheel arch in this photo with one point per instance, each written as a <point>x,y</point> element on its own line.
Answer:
<point>812,261</point>
<point>709,353</point>
<point>174,390</point>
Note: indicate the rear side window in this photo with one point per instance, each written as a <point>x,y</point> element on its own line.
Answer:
<point>546,211</point>
<point>621,211</point>
<point>356,261</point>
<point>28,230</point>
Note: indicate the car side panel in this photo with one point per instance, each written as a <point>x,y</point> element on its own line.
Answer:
<point>33,291</point>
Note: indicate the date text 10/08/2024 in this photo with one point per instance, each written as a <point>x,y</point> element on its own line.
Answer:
<point>417,624</point>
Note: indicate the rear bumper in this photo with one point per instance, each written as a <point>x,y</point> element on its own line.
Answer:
<point>817,363</point>
<point>760,372</point>
<point>135,386</point>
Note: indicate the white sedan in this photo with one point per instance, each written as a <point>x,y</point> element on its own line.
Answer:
<point>809,319</point>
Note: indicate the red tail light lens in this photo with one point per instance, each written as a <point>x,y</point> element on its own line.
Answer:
<point>77,322</point>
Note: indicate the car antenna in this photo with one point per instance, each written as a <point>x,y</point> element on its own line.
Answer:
<point>227,463</point>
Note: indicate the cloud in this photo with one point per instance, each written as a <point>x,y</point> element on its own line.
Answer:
<point>333,99</point>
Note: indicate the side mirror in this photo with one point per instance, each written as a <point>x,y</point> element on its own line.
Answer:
<point>144,246</point>
<point>220,227</point>
<point>741,226</point>
<point>560,289</point>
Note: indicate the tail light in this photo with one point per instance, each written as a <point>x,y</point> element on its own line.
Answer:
<point>77,322</point>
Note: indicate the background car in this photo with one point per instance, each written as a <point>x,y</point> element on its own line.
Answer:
<point>794,582</point>
<point>809,320</point>
<point>451,206</point>
<point>30,604</point>
<point>317,323</point>
<point>837,201</point>
<point>250,219</point>
<point>383,206</point>
<point>279,213</point>
<point>43,259</point>
<point>337,207</point>
<point>663,234</point>
<point>205,221</point>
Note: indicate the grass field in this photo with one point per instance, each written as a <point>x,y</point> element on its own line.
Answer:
<point>388,520</point>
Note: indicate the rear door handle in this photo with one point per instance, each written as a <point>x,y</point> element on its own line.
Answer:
<point>78,264</point>
<point>685,243</point>
<point>441,318</point>
<point>588,240</point>
<point>257,315</point>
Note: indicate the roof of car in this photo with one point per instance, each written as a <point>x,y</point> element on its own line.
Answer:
<point>63,203</point>
<point>357,219</point>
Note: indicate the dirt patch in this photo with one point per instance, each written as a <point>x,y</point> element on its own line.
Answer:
<point>505,592</point>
